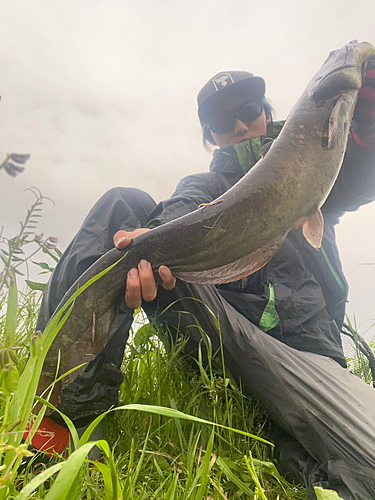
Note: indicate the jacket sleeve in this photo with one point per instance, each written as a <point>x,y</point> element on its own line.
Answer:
<point>190,192</point>
<point>355,184</point>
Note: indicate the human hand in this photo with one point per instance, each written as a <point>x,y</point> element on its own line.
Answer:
<point>140,282</point>
<point>364,116</point>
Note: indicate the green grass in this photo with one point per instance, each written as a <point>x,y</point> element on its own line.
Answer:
<point>176,448</point>
<point>148,453</point>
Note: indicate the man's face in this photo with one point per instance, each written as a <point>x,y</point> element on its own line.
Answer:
<point>241,131</point>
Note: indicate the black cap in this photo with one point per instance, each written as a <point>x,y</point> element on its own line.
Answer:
<point>225,84</point>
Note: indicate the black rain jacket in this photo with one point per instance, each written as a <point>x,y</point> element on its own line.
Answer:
<point>299,296</point>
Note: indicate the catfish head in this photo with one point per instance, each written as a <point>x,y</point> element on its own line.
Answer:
<point>342,71</point>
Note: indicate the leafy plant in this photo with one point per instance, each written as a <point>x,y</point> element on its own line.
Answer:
<point>360,357</point>
<point>14,257</point>
<point>322,494</point>
<point>12,163</point>
<point>19,399</point>
<point>18,310</point>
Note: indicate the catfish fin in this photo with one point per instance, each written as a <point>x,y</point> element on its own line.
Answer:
<point>235,270</point>
<point>265,148</point>
<point>313,229</point>
<point>340,120</point>
<point>299,224</point>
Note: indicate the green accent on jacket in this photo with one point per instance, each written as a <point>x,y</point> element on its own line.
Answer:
<point>248,151</point>
<point>269,318</point>
<point>341,283</point>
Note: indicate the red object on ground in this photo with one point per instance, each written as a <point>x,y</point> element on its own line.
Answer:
<point>50,437</point>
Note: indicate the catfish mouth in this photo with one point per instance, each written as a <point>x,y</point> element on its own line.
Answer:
<point>320,79</point>
<point>336,70</point>
<point>342,71</point>
<point>339,80</point>
<point>339,58</point>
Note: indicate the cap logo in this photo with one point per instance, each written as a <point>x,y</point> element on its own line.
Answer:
<point>222,81</point>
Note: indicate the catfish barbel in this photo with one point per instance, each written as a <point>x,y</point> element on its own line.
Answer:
<point>239,233</point>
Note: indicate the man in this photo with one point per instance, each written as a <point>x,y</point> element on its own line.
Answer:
<point>280,327</point>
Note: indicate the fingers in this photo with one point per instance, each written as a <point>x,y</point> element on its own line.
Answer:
<point>148,285</point>
<point>133,296</point>
<point>140,284</point>
<point>122,238</point>
<point>168,280</point>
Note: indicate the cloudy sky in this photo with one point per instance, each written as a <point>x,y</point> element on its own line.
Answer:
<point>103,94</point>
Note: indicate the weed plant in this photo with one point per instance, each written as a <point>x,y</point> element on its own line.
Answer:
<point>150,454</point>
<point>237,466</point>
<point>360,360</point>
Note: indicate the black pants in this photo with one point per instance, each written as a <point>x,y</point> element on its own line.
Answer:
<point>324,417</point>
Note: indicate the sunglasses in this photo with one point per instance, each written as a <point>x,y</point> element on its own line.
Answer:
<point>222,122</point>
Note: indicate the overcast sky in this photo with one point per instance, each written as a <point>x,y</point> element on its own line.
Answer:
<point>103,94</point>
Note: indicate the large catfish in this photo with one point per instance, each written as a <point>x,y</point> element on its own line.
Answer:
<point>239,233</point>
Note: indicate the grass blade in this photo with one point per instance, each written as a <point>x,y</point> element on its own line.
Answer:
<point>205,468</point>
<point>41,478</point>
<point>107,478</point>
<point>171,492</point>
<point>170,412</point>
<point>72,430</point>
<point>235,479</point>
<point>11,316</point>
<point>65,481</point>
<point>254,476</point>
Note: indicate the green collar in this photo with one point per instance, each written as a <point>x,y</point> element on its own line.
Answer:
<point>248,151</point>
